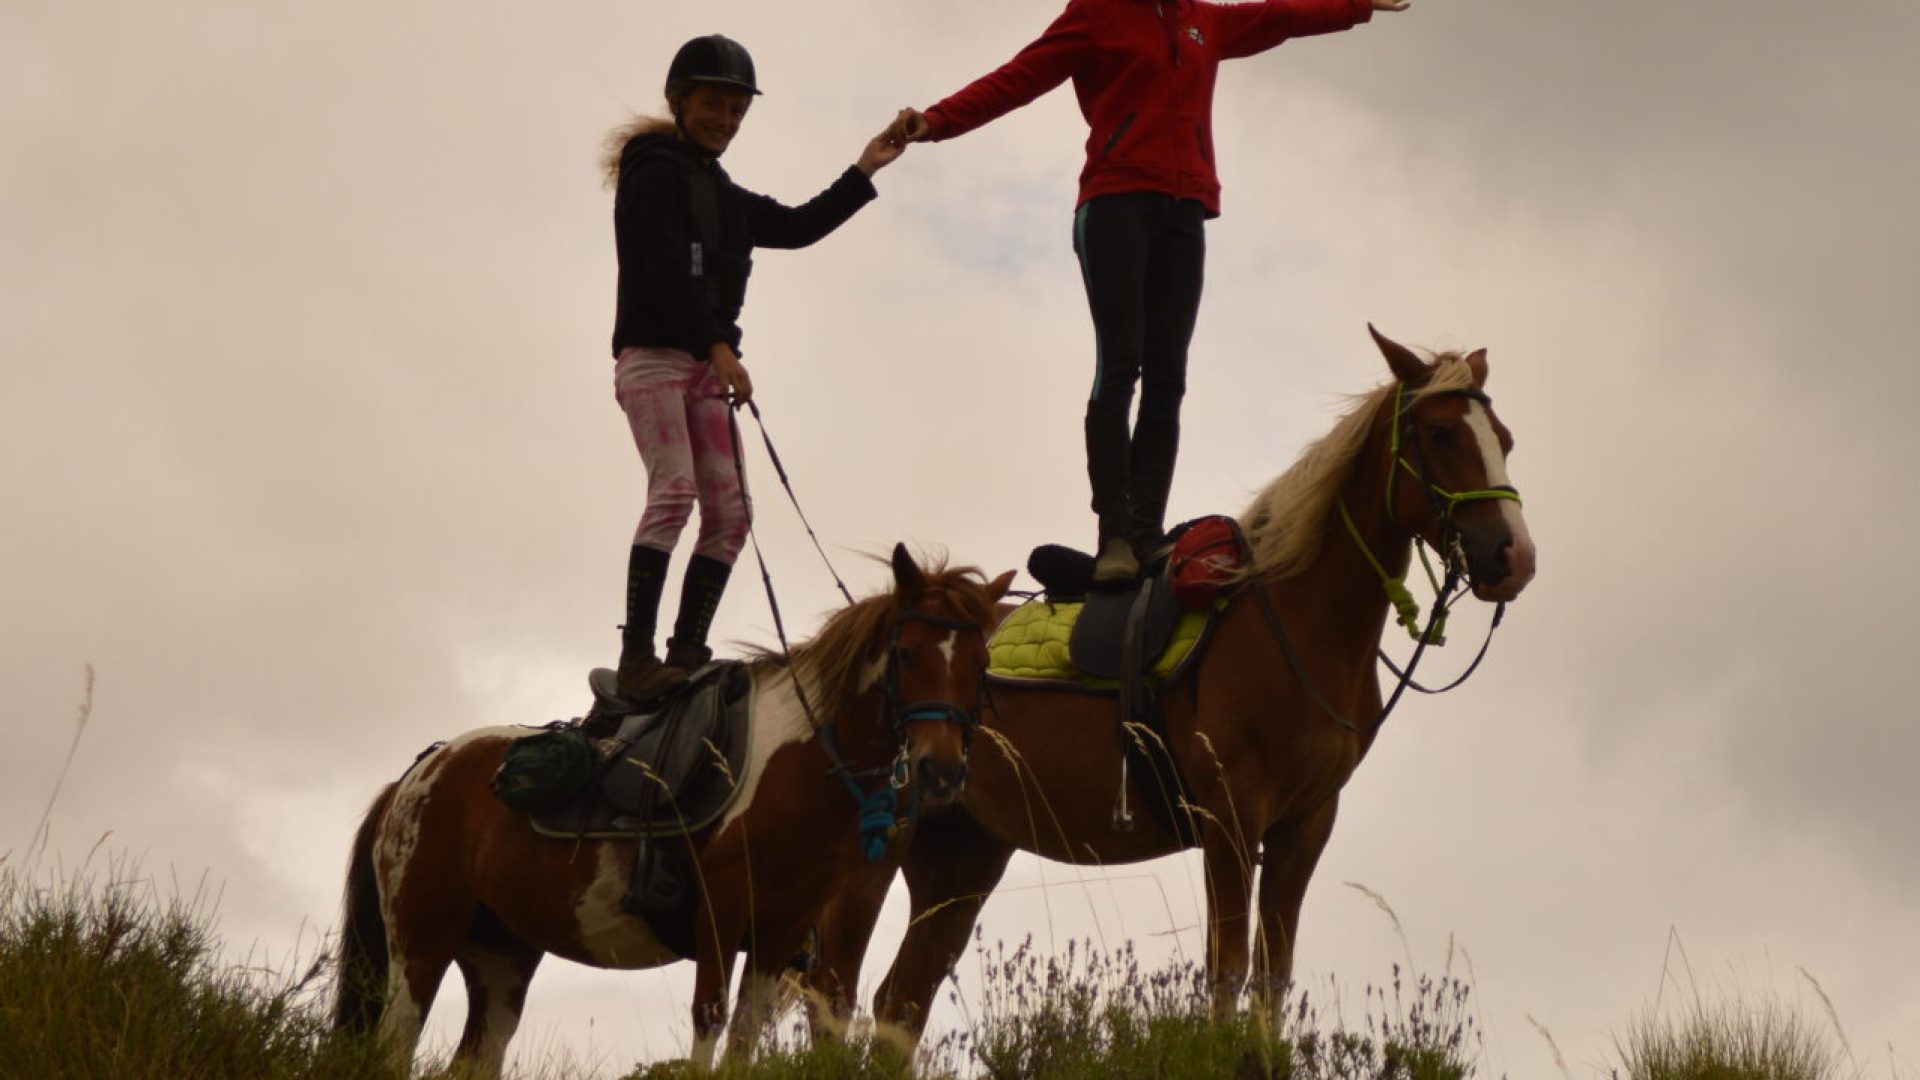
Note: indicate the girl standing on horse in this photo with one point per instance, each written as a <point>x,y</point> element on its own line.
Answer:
<point>685,234</point>
<point>1143,71</point>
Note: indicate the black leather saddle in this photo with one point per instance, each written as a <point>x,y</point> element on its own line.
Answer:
<point>671,769</point>
<point>1120,633</point>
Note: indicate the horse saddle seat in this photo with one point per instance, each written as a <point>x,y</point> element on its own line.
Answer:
<point>671,768</point>
<point>1116,625</point>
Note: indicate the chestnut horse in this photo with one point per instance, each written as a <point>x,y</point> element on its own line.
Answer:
<point>444,873</point>
<point>1265,728</point>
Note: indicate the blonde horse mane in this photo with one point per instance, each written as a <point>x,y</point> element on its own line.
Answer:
<point>833,664</point>
<point>1287,521</point>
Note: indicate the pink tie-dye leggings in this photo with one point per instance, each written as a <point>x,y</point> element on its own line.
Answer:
<point>678,414</point>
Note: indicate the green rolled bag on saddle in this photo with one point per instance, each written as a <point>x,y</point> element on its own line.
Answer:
<point>545,770</point>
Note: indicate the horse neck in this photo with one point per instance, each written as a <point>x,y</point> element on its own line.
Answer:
<point>861,732</point>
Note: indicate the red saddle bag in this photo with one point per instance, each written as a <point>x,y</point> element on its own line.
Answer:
<point>1207,552</point>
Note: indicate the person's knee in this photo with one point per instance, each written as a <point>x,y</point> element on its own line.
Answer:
<point>669,506</point>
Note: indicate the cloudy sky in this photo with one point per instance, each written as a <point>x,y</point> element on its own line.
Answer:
<point>307,444</point>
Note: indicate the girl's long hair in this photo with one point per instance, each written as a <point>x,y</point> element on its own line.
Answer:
<point>617,139</point>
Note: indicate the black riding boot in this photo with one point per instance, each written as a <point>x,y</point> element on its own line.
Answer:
<point>700,592</point>
<point>1107,454</point>
<point>641,674</point>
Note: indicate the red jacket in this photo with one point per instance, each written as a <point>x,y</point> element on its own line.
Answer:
<point>1143,71</point>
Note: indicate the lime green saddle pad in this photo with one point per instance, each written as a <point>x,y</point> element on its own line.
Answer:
<point>1031,643</point>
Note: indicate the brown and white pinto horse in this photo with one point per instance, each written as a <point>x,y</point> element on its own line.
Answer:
<point>444,874</point>
<point>1265,731</point>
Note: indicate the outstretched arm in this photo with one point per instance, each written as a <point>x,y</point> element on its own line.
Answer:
<point>1247,29</point>
<point>1046,63</point>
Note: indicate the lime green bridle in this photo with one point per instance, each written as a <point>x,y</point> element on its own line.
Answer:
<point>1444,502</point>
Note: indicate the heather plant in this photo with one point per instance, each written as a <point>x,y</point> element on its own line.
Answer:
<point>1089,1013</point>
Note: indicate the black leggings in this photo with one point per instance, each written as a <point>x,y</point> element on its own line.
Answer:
<point>1143,258</point>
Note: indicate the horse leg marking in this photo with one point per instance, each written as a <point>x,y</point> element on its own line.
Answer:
<point>405,1013</point>
<point>496,993</point>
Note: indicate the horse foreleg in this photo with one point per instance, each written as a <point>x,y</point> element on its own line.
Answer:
<point>1291,850</point>
<point>845,929</point>
<point>753,1013</point>
<point>951,867</point>
<point>497,970</point>
<point>718,932</point>
<point>1227,858</point>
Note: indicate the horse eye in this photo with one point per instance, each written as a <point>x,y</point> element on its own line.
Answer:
<point>1441,437</point>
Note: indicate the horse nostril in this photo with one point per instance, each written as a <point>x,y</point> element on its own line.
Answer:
<point>1502,562</point>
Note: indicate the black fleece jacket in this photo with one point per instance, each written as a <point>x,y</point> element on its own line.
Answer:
<point>663,299</point>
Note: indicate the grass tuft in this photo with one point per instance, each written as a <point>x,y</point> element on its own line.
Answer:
<point>1737,1039</point>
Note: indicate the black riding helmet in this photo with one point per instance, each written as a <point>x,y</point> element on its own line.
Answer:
<point>715,58</point>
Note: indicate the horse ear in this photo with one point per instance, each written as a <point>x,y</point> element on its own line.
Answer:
<point>1477,363</point>
<point>1407,367</point>
<point>998,586</point>
<point>907,578</point>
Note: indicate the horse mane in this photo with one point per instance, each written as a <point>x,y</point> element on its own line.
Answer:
<point>1287,521</point>
<point>833,664</point>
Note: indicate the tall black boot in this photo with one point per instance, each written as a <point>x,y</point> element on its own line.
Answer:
<point>700,591</point>
<point>641,674</point>
<point>1156,444</point>
<point>1107,469</point>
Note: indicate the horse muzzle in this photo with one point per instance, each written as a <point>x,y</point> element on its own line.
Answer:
<point>940,780</point>
<point>1501,569</point>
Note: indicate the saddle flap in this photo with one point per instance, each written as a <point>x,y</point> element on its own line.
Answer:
<point>664,759</point>
<point>1100,642</point>
<point>671,769</point>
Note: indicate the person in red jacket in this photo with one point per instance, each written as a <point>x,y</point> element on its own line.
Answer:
<point>1143,71</point>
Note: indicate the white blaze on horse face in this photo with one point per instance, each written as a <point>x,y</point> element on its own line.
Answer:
<point>777,719</point>
<point>946,646</point>
<point>612,937</point>
<point>1495,463</point>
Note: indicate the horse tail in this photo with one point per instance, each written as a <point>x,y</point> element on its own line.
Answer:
<point>363,933</point>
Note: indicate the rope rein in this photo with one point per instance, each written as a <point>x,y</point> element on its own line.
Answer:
<point>880,816</point>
